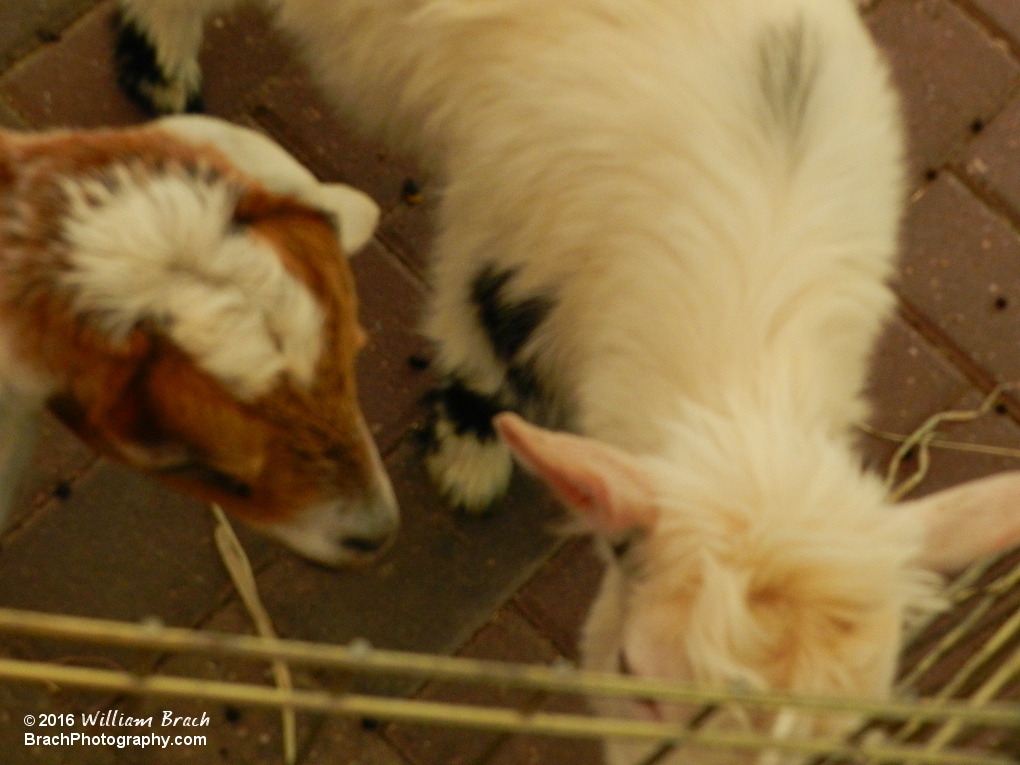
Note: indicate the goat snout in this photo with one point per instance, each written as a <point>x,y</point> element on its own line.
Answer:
<point>343,532</point>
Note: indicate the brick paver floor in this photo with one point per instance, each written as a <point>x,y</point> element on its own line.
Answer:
<point>91,538</point>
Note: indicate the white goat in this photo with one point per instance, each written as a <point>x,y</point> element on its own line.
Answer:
<point>178,295</point>
<point>666,225</point>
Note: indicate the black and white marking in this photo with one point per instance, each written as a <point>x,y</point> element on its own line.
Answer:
<point>469,463</point>
<point>508,324</point>
<point>141,77</point>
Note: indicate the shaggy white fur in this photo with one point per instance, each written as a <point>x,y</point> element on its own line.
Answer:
<point>666,224</point>
<point>163,248</point>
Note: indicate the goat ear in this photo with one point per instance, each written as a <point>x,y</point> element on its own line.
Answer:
<point>109,409</point>
<point>609,488</point>
<point>356,213</point>
<point>968,521</point>
<point>251,151</point>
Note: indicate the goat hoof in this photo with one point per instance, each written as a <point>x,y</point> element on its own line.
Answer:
<point>471,472</point>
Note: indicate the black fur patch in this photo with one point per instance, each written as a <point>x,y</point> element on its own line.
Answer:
<point>525,383</point>
<point>788,71</point>
<point>467,410</point>
<point>138,71</point>
<point>508,324</point>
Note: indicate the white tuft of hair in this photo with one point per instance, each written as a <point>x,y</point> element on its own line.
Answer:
<point>163,247</point>
<point>355,213</point>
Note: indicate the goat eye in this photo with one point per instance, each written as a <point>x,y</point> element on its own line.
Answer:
<point>227,483</point>
<point>335,453</point>
<point>624,546</point>
<point>620,549</point>
<point>213,477</point>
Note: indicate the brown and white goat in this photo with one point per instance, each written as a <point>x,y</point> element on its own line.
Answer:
<point>178,295</point>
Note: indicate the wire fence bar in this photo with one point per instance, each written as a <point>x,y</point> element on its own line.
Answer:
<point>960,591</point>
<point>359,657</point>
<point>989,688</point>
<point>465,716</point>
<point>965,588</point>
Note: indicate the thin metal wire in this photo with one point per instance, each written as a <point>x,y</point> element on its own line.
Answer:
<point>480,718</point>
<point>558,679</point>
<point>961,590</point>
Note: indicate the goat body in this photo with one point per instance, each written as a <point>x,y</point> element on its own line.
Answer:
<point>666,225</point>
<point>178,296</point>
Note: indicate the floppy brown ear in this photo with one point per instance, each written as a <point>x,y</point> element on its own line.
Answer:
<point>606,486</point>
<point>107,405</point>
<point>966,522</point>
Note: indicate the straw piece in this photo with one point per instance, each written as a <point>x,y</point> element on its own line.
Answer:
<point>237,563</point>
<point>922,438</point>
<point>942,443</point>
<point>992,592</point>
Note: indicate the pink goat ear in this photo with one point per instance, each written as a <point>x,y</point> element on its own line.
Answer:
<point>966,522</point>
<point>609,488</point>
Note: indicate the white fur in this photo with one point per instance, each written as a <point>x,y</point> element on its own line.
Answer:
<point>178,56</point>
<point>710,190</point>
<point>355,212</point>
<point>163,248</point>
<point>469,473</point>
<point>323,532</point>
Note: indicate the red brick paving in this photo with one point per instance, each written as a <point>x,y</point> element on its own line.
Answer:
<point>557,600</point>
<point>509,637</point>
<point>547,750</point>
<point>59,462</point>
<point>951,72</point>
<point>961,268</point>
<point>1001,16</point>
<point>390,385</point>
<point>324,142</point>
<point>26,25</point>
<point>991,163</point>
<point>91,538</point>
<point>71,83</point>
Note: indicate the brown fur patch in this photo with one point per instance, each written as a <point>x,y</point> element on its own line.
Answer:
<point>144,401</point>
